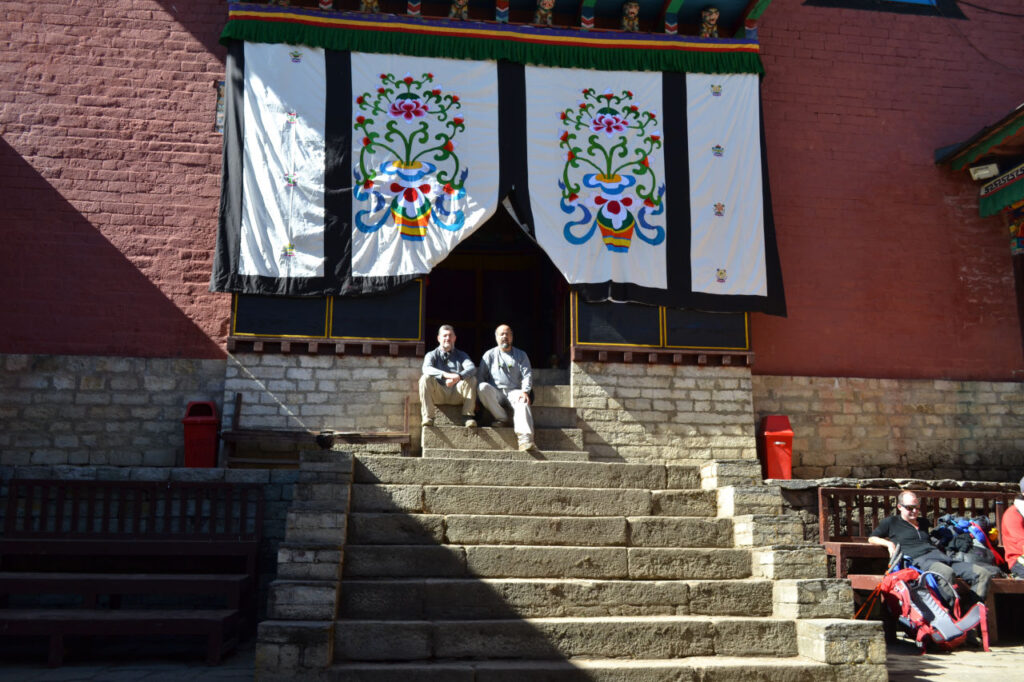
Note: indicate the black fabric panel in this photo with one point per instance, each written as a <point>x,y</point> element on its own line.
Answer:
<point>225,256</point>
<point>513,176</point>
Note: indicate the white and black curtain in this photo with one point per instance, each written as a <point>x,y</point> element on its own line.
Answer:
<point>350,173</point>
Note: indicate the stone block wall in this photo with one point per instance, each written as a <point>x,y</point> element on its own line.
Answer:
<point>89,410</point>
<point>343,393</point>
<point>278,488</point>
<point>865,428</point>
<point>639,412</point>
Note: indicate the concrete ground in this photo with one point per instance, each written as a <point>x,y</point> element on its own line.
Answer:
<point>1004,663</point>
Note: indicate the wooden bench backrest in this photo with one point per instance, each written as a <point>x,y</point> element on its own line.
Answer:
<point>133,510</point>
<point>850,514</point>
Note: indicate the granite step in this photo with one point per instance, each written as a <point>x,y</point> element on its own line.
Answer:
<point>705,669</point>
<point>644,637</point>
<point>538,561</point>
<point>495,598</point>
<point>544,416</point>
<point>534,455</point>
<point>415,470</point>
<point>531,501</point>
<point>385,528</point>
<point>489,438</point>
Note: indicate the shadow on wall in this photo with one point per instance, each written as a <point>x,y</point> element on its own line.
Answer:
<point>67,290</point>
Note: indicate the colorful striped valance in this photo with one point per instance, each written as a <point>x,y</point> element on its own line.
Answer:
<point>521,44</point>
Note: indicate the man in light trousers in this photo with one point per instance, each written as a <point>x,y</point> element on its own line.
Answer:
<point>504,380</point>
<point>449,378</point>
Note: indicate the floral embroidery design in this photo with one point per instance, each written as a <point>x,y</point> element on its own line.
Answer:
<point>608,134</point>
<point>411,120</point>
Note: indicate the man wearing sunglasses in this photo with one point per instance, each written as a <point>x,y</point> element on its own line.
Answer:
<point>909,530</point>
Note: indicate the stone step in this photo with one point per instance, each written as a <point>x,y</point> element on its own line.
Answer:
<point>531,501</point>
<point>487,438</point>
<point>656,637</point>
<point>544,416</point>
<point>493,598</point>
<point>471,529</point>
<point>706,669</point>
<point>550,377</point>
<point>534,455</point>
<point>415,470</point>
<point>532,561</point>
<point>553,396</point>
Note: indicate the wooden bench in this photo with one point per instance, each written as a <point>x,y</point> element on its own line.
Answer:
<point>846,517</point>
<point>155,539</point>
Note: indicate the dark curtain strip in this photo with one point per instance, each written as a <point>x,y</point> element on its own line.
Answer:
<point>225,255</point>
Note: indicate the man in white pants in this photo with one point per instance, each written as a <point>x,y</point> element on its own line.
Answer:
<point>504,380</point>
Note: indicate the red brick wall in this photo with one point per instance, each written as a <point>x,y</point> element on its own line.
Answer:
<point>889,271</point>
<point>109,174</point>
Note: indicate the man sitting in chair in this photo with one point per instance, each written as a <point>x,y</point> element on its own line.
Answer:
<point>505,379</point>
<point>909,531</point>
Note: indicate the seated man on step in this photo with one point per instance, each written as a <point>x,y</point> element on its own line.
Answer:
<point>449,378</point>
<point>505,379</point>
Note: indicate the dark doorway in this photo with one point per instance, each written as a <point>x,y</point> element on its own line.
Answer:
<point>500,276</point>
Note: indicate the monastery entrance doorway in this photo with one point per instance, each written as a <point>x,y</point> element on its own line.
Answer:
<point>499,276</point>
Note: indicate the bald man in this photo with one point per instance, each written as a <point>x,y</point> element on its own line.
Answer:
<point>504,381</point>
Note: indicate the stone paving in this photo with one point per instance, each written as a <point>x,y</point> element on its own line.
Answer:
<point>1004,663</point>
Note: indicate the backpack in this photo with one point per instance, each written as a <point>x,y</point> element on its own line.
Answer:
<point>923,614</point>
<point>966,539</point>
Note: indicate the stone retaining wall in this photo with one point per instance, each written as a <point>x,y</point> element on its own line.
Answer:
<point>865,428</point>
<point>91,410</point>
<point>639,412</point>
<point>343,393</point>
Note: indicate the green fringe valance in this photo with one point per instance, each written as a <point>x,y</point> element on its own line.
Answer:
<point>382,34</point>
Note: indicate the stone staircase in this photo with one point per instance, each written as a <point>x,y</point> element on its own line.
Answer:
<point>477,563</point>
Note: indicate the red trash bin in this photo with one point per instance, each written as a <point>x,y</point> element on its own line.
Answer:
<point>201,426</point>
<point>776,447</point>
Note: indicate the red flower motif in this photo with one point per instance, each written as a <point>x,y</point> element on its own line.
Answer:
<point>360,119</point>
<point>608,124</point>
<point>633,107</point>
<point>368,184</point>
<point>383,76</point>
<point>430,76</point>
<point>645,163</point>
<point>424,188</point>
<point>574,196</point>
<point>570,156</point>
<point>458,120</point>
<point>435,92</point>
<point>381,90</point>
<point>563,115</point>
<point>583,105</point>
<point>408,109</point>
<point>448,146</point>
<point>408,80</point>
<point>448,189</point>
<point>608,96</point>
<point>629,93</point>
<point>652,115</point>
<point>649,203</point>
<point>655,138</point>
<point>455,98</point>
<point>360,100</point>
<point>366,142</point>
